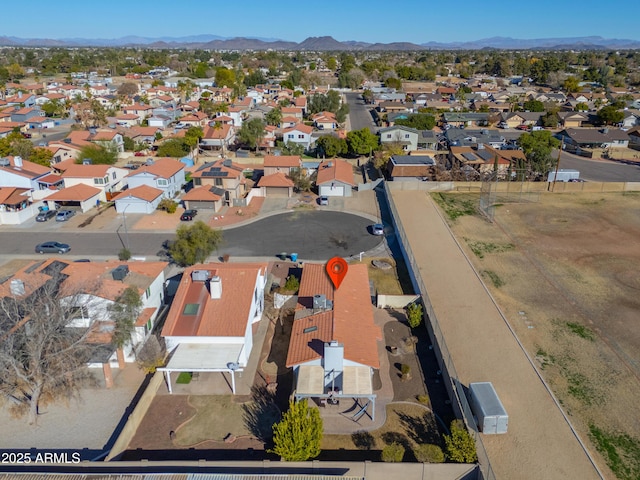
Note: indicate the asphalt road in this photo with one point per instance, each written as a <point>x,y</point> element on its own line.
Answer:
<point>359,115</point>
<point>599,170</point>
<point>313,235</point>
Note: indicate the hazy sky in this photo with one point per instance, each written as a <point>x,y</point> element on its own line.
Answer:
<point>417,21</point>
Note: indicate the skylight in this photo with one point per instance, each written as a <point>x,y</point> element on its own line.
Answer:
<point>190,309</point>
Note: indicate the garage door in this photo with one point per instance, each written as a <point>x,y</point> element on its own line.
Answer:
<point>201,205</point>
<point>277,192</point>
<point>335,191</point>
<point>134,207</point>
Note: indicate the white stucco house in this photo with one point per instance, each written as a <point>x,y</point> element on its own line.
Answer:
<point>166,174</point>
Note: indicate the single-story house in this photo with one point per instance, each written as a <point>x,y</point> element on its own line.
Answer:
<point>411,167</point>
<point>141,199</point>
<point>335,178</point>
<point>281,163</point>
<point>78,197</point>
<point>333,347</point>
<point>276,185</point>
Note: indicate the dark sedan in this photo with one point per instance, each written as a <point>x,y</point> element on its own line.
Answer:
<point>46,215</point>
<point>52,247</point>
<point>188,215</point>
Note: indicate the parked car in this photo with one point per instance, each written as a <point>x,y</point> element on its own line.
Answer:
<point>377,229</point>
<point>64,215</point>
<point>52,247</point>
<point>188,215</point>
<point>503,125</point>
<point>523,127</point>
<point>26,135</point>
<point>46,215</point>
<point>323,200</point>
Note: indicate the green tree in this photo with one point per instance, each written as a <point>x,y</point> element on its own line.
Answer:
<point>41,156</point>
<point>610,115</point>
<point>537,147</point>
<point>297,437</point>
<point>288,148</point>
<point>225,77</point>
<point>331,146</point>
<point>362,142</point>
<point>251,132</point>
<point>393,453</point>
<point>53,108</point>
<point>549,119</point>
<point>22,147</point>
<point>124,313</point>
<point>393,82</point>
<point>194,243</point>
<point>429,453</point>
<point>332,63</point>
<point>192,137</point>
<point>301,182</point>
<point>129,144</point>
<point>104,154</point>
<point>385,152</point>
<point>274,116</point>
<point>533,106</point>
<point>367,96</point>
<point>460,445</point>
<point>572,84</point>
<point>341,114</point>
<point>414,314</point>
<point>173,147</point>
<point>127,88</point>
<point>419,121</point>
<point>254,78</point>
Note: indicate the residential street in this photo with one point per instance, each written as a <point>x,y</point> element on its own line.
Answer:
<point>314,235</point>
<point>359,116</point>
<point>599,170</point>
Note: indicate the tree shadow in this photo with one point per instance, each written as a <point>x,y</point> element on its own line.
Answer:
<point>421,429</point>
<point>363,440</point>
<point>261,413</point>
<point>395,437</point>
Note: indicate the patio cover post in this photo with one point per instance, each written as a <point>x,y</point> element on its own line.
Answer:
<point>233,381</point>
<point>167,375</point>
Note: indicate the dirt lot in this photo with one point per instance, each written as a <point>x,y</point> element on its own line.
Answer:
<point>565,272</point>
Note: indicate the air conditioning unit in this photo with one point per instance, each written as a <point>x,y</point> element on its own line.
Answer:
<point>200,275</point>
<point>120,272</point>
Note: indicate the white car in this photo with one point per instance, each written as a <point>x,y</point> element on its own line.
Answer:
<point>377,229</point>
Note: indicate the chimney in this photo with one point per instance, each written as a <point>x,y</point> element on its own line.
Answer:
<point>215,287</point>
<point>17,161</point>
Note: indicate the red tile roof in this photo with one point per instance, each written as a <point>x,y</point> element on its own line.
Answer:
<point>334,169</point>
<point>350,321</point>
<point>275,180</point>
<point>163,167</point>
<point>223,317</point>
<point>28,169</point>
<point>204,193</point>
<point>86,171</point>
<point>287,161</point>
<point>12,195</point>
<point>143,192</point>
<point>218,169</point>
<point>76,193</point>
<point>300,127</point>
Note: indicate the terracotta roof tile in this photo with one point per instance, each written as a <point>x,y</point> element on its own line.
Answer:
<point>204,193</point>
<point>334,169</point>
<point>223,317</point>
<point>278,179</point>
<point>79,192</point>
<point>143,192</point>
<point>86,171</point>
<point>12,195</point>
<point>162,167</point>
<point>282,161</point>
<point>299,127</point>
<point>352,317</point>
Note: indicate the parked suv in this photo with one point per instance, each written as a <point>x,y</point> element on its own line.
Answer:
<point>64,215</point>
<point>45,215</point>
<point>324,200</point>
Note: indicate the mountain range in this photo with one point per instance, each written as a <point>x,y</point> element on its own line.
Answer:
<point>326,43</point>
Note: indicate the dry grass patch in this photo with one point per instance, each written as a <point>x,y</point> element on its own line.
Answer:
<point>407,424</point>
<point>385,281</point>
<point>216,416</point>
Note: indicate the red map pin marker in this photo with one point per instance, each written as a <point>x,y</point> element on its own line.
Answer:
<point>337,269</point>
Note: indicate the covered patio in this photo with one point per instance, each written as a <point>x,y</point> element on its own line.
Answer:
<point>197,358</point>
<point>353,382</point>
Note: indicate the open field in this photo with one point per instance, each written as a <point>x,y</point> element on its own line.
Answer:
<point>564,270</point>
